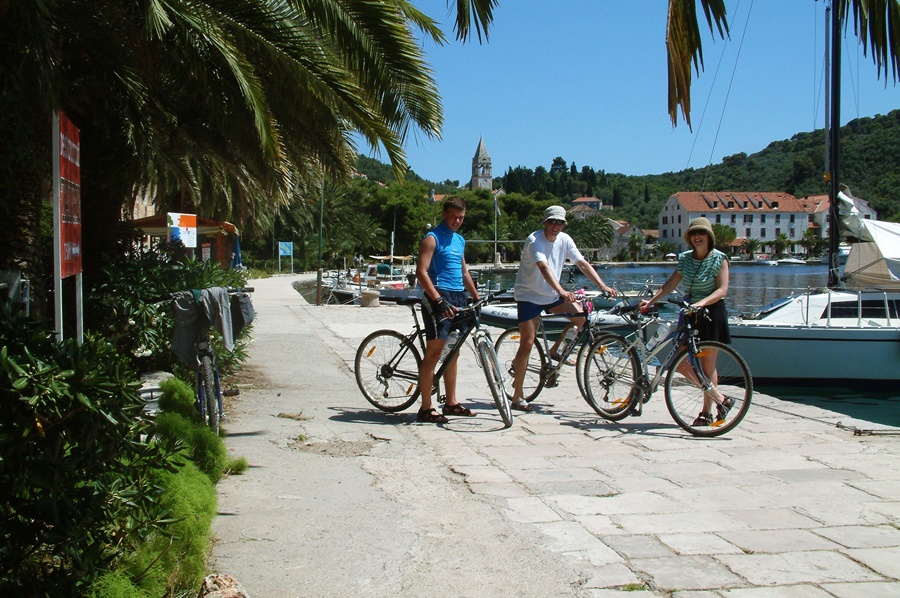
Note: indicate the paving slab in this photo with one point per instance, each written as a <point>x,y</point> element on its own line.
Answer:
<point>343,500</point>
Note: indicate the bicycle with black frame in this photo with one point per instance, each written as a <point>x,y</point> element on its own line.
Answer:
<point>192,327</point>
<point>387,362</point>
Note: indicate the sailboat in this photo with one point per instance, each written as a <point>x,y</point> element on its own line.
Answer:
<point>849,332</point>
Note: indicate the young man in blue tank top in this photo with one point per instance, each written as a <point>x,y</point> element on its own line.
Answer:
<point>442,272</point>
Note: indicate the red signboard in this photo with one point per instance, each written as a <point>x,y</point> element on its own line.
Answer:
<point>69,197</point>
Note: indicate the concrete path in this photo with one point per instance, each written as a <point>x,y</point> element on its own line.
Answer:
<point>344,500</point>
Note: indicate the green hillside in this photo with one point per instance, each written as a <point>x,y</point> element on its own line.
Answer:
<point>870,166</point>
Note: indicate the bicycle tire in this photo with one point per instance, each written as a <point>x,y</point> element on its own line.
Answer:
<point>581,364</point>
<point>506,347</point>
<point>684,397</point>
<point>209,398</point>
<point>612,377</point>
<point>387,370</point>
<point>494,375</point>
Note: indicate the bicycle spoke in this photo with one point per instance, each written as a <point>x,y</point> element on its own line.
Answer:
<point>723,404</point>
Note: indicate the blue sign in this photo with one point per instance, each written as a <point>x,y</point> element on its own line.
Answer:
<point>286,248</point>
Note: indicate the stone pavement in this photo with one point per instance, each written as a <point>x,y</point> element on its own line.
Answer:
<point>342,499</point>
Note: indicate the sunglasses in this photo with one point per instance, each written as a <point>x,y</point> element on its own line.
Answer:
<point>554,222</point>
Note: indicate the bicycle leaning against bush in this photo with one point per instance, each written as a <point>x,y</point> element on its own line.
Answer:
<point>228,309</point>
<point>702,376</point>
<point>387,362</point>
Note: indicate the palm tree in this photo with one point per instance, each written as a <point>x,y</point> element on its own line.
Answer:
<point>810,241</point>
<point>635,245</point>
<point>781,243</point>
<point>751,246</point>
<point>665,248</point>
<point>593,232</point>
<point>229,109</point>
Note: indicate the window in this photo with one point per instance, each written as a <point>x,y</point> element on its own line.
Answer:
<point>762,233</point>
<point>762,218</point>
<point>665,219</point>
<point>718,219</point>
<point>679,219</point>
<point>793,233</point>
<point>747,232</point>
<point>734,218</point>
<point>748,218</point>
<point>665,233</point>
<point>792,218</point>
<point>777,218</point>
<point>777,231</point>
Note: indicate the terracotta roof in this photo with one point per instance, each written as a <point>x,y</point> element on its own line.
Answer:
<point>587,200</point>
<point>815,204</point>
<point>707,201</point>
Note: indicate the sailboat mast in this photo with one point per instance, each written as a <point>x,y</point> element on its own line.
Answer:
<point>834,144</point>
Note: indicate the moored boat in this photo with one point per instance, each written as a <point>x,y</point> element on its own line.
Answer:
<point>834,336</point>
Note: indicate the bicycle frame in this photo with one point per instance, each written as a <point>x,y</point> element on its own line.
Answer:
<point>681,338</point>
<point>418,333</point>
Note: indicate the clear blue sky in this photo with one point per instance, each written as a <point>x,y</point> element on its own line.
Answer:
<point>586,80</point>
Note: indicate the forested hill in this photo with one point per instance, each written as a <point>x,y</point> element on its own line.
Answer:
<point>870,166</point>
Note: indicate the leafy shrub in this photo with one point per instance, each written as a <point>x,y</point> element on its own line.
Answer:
<point>78,462</point>
<point>132,310</point>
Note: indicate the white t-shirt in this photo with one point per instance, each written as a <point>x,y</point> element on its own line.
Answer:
<point>530,284</point>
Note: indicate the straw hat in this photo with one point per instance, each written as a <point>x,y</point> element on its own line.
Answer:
<point>554,213</point>
<point>699,224</point>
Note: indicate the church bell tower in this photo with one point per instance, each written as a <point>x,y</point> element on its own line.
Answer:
<point>481,169</point>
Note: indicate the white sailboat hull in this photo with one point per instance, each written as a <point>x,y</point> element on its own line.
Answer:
<point>822,338</point>
<point>818,355</point>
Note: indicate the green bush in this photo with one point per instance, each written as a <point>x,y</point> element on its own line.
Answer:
<point>176,559</point>
<point>78,462</point>
<point>178,421</point>
<point>178,397</point>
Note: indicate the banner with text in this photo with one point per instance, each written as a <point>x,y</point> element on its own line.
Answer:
<point>69,197</point>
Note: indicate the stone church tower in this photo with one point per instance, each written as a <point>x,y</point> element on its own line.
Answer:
<point>481,169</point>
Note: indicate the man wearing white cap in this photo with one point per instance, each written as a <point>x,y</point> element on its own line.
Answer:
<point>538,289</point>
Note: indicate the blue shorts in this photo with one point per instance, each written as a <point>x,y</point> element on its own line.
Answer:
<point>437,328</point>
<point>526,310</point>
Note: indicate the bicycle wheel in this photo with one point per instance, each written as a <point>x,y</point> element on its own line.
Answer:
<point>612,375</point>
<point>494,375</point>
<point>684,396</point>
<point>209,396</point>
<point>506,348</point>
<point>387,370</point>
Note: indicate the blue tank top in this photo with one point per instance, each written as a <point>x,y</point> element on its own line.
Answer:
<point>445,270</point>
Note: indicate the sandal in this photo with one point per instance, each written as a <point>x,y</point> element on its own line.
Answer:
<point>458,410</point>
<point>520,405</point>
<point>568,361</point>
<point>430,416</point>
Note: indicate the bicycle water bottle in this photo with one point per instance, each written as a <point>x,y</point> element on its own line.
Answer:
<point>568,338</point>
<point>452,339</point>
<point>661,333</point>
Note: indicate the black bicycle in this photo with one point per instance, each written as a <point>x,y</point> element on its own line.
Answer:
<point>206,367</point>
<point>387,362</point>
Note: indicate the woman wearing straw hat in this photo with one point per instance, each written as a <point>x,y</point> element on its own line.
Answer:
<point>703,273</point>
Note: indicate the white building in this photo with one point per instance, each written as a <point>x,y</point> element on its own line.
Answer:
<point>760,216</point>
